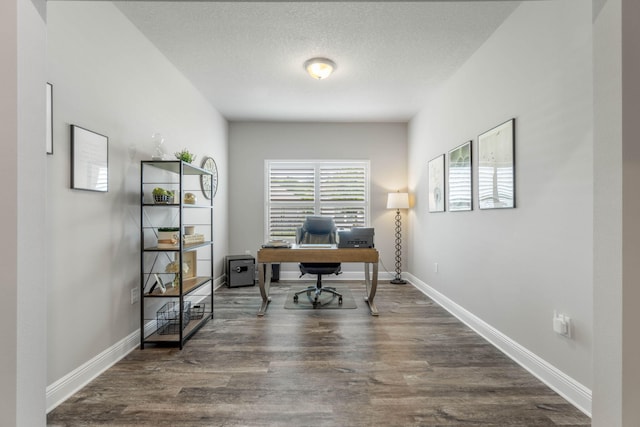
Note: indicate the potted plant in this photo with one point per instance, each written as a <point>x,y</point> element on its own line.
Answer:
<point>160,195</point>
<point>185,155</point>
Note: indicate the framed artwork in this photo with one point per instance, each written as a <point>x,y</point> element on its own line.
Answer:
<point>159,283</point>
<point>49,107</point>
<point>436,184</point>
<point>459,182</point>
<point>496,167</point>
<point>190,258</point>
<point>89,160</point>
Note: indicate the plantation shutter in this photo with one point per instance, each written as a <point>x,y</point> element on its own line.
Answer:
<point>343,194</point>
<point>298,189</point>
<point>291,199</point>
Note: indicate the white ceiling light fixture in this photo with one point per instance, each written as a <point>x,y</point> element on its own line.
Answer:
<point>319,68</point>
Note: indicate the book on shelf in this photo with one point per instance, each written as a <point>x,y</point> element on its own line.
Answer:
<point>167,246</point>
<point>190,239</point>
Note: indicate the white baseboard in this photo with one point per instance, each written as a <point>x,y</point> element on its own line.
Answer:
<point>576,393</point>
<point>66,386</point>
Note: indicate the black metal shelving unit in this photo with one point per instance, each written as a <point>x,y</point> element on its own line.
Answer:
<point>172,313</point>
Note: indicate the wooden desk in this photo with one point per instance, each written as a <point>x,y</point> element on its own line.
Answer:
<point>267,256</point>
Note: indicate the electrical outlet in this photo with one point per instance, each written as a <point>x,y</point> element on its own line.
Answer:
<point>135,295</point>
<point>562,324</point>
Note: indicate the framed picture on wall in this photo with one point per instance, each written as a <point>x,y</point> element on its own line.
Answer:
<point>89,160</point>
<point>459,178</point>
<point>496,167</point>
<point>436,184</point>
<point>49,107</point>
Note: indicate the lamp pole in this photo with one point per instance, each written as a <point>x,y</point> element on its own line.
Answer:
<point>398,280</point>
<point>398,201</point>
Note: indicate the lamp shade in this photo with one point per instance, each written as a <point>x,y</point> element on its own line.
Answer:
<point>398,201</point>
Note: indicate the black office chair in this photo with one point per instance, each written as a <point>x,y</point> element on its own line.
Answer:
<point>318,230</point>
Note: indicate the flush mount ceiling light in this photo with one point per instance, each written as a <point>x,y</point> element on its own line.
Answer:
<point>319,68</point>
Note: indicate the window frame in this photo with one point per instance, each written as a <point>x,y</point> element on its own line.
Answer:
<point>317,165</point>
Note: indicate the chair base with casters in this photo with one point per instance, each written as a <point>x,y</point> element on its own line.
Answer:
<point>314,292</point>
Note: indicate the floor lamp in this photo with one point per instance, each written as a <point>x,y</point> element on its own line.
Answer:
<point>398,201</point>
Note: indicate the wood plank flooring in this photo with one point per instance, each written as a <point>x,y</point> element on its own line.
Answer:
<point>414,365</point>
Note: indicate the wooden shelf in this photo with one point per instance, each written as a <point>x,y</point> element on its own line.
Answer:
<point>177,205</point>
<point>185,248</point>
<point>188,286</point>
<point>174,166</point>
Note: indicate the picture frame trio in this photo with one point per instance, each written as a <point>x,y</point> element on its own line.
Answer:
<point>495,173</point>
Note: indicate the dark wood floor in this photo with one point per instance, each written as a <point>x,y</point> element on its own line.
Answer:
<point>414,365</point>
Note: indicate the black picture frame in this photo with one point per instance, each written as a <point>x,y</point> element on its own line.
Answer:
<point>437,190</point>
<point>89,160</point>
<point>460,178</point>
<point>49,108</point>
<point>496,167</point>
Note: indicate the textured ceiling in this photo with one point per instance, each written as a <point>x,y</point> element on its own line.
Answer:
<point>246,57</point>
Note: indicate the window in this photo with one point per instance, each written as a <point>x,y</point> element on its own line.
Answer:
<point>296,189</point>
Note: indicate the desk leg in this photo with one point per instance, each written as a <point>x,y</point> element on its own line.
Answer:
<point>372,285</point>
<point>264,282</point>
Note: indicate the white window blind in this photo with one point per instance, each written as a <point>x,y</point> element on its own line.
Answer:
<point>297,189</point>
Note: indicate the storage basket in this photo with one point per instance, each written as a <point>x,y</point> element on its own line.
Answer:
<point>197,311</point>
<point>168,317</point>
<point>162,198</point>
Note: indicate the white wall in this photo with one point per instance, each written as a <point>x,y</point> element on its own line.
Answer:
<point>110,79</point>
<point>513,268</point>
<point>251,143</point>
<point>22,169</point>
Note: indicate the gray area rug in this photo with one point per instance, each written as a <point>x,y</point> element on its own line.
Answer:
<point>327,300</point>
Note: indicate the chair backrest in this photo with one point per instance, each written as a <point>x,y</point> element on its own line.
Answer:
<point>318,230</point>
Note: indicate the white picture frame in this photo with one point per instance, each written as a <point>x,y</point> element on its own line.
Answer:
<point>496,167</point>
<point>459,182</point>
<point>49,107</point>
<point>160,284</point>
<point>436,184</point>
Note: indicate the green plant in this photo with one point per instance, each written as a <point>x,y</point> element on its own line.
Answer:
<point>158,191</point>
<point>185,155</point>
